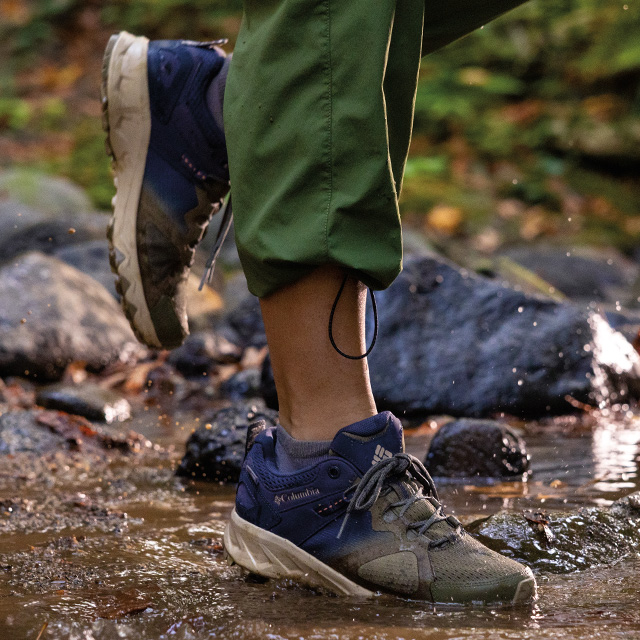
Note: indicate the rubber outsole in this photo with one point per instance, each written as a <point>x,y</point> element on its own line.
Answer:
<point>269,555</point>
<point>126,120</point>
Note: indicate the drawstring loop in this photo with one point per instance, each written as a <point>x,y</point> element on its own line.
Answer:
<point>375,320</point>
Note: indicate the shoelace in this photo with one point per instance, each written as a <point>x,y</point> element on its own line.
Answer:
<point>368,490</point>
<point>223,230</point>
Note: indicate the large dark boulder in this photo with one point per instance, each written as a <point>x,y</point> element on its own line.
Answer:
<point>456,343</point>
<point>215,451</point>
<point>560,542</point>
<point>477,449</point>
<point>243,384</point>
<point>52,315</point>
<point>581,273</point>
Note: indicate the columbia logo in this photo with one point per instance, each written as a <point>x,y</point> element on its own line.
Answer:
<point>380,454</point>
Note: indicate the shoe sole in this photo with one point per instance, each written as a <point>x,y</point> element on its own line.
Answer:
<point>272,556</point>
<point>126,120</point>
<point>269,555</point>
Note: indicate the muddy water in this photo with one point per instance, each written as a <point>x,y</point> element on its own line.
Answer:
<point>126,550</point>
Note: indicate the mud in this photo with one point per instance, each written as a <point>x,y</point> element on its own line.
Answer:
<point>111,544</point>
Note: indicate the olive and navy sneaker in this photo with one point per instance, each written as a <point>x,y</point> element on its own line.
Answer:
<point>364,520</point>
<point>171,173</point>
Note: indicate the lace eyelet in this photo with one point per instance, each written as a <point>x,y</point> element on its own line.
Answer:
<point>334,472</point>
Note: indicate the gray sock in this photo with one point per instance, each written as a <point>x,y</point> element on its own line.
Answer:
<point>292,454</point>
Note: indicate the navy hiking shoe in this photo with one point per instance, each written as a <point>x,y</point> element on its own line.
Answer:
<point>171,174</point>
<point>366,519</point>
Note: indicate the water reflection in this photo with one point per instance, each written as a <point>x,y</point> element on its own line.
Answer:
<point>168,557</point>
<point>616,449</point>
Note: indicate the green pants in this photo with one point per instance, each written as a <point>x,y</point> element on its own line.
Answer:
<point>318,115</point>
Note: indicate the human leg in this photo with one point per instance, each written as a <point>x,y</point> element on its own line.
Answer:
<point>319,391</point>
<point>317,153</point>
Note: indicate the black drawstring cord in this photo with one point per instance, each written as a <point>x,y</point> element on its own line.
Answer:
<point>375,320</point>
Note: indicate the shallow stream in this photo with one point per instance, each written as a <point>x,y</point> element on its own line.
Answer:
<point>90,550</point>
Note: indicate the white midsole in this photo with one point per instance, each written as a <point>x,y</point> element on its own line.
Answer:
<point>272,556</point>
<point>130,130</point>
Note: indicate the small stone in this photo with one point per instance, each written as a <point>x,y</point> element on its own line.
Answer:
<point>87,400</point>
<point>477,449</point>
<point>201,352</point>
<point>244,384</point>
<point>215,451</point>
<point>20,433</point>
<point>243,326</point>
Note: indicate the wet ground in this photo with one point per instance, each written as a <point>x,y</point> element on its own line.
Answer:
<point>96,548</point>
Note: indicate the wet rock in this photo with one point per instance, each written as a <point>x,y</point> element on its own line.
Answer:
<point>88,400</point>
<point>560,542</point>
<point>580,273</point>
<point>37,431</point>
<point>455,343</point>
<point>477,449</point>
<point>92,258</point>
<point>48,194</point>
<point>51,235</point>
<point>215,451</point>
<point>244,384</point>
<point>51,315</point>
<point>20,433</point>
<point>243,326</point>
<point>627,322</point>
<point>201,352</point>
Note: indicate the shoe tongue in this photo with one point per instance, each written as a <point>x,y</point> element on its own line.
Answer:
<point>366,442</point>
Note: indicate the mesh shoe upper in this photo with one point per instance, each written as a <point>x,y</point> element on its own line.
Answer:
<point>371,512</point>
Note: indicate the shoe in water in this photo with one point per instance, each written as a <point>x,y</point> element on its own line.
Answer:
<point>366,519</point>
<point>171,173</point>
